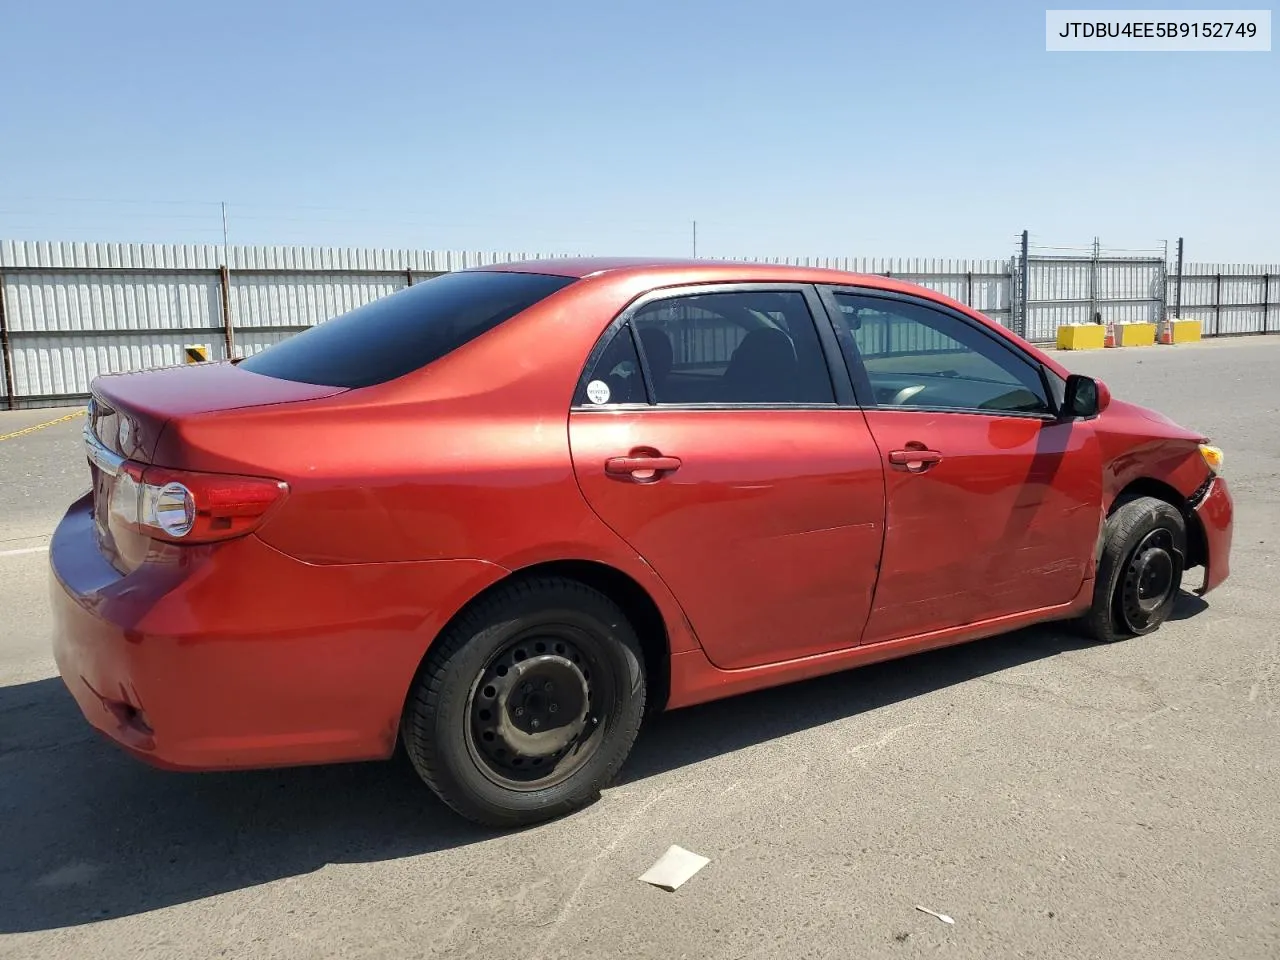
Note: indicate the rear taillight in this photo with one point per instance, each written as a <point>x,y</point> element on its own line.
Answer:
<point>184,507</point>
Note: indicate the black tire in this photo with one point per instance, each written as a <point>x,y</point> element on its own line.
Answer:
<point>535,663</point>
<point>1140,566</point>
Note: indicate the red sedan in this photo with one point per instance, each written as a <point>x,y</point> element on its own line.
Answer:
<point>498,515</point>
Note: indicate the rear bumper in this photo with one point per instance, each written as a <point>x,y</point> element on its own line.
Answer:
<point>238,656</point>
<point>1217,515</point>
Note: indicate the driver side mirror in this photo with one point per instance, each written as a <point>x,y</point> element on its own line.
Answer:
<point>1085,398</point>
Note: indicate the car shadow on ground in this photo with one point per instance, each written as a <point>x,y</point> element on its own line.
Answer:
<point>89,834</point>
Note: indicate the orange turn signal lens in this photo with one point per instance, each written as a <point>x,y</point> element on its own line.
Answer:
<point>1212,456</point>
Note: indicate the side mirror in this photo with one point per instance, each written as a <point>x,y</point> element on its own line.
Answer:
<point>1085,398</point>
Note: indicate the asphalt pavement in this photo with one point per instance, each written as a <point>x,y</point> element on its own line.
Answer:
<point>1057,799</point>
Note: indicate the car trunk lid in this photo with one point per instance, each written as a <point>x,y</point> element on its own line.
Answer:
<point>128,413</point>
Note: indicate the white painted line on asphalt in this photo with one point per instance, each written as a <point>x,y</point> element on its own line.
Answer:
<point>24,551</point>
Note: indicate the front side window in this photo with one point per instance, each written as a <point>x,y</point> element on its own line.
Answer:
<point>919,357</point>
<point>733,347</point>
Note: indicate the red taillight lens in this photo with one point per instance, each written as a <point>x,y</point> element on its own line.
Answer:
<point>184,507</point>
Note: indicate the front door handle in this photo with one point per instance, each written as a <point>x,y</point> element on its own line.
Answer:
<point>639,466</point>
<point>916,461</point>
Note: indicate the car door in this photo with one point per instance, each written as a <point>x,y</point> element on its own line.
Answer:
<point>712,432</point>
<point>993,503</point>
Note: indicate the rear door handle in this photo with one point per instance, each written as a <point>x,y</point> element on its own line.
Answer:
<point>641,466</point>
<point>916,461</point>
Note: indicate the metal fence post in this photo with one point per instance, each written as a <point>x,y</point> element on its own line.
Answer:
<point>1266,300</point>
<point>6,353</point>
<point>968,289</point>
<point>408,278</point>
<point>1024,294</point>
<point>1177,290</point>
<point>1217,306</point>
<point>1164,285</point>
<point>1093,280</point>
<point>228,328</point>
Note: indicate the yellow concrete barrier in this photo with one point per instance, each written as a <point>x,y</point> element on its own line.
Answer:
<point>1135,334</point>
<point>1184,331</point>
<point>1089,336</point>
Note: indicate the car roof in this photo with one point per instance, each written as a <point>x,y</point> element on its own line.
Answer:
<point>674,271</point>
<point>690,271</point>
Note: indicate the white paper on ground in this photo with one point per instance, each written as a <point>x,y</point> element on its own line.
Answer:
<point>673,868</point>
<point>941,916</point>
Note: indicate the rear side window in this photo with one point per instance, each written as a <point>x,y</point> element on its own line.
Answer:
<point>396,335</point>
<point>736,347</point>
<point>615,376</point>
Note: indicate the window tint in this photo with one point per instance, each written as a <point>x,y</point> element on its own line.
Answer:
<point>916,356</point>
<point>615,376</point>
<point>398,334</point>
<point>757,346</point>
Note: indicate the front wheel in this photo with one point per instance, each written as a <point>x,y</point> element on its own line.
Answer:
<point>1144,546</point>
<point>527,706</point>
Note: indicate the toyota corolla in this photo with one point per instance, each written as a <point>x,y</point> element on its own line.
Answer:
<point>499,516</point>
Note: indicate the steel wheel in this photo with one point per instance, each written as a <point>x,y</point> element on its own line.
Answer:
<point>1139,572</point>
<point>1149,579</point>
<point>527,704</point>
<point>535,709</point>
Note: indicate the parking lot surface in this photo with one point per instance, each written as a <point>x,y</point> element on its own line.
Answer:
<point>1057,799</point>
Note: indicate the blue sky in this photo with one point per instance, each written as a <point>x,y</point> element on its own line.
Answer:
<point>803,128</point>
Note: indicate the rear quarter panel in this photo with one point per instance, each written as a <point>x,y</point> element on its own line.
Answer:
<point>465,459</point>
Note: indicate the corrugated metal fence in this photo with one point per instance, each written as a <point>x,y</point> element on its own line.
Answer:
<point>1231,298</point>
<point>69,312</point>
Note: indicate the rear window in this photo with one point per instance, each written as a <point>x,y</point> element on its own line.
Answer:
<point>401,333</point>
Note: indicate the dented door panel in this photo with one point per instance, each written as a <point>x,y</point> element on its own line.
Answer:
<point>1004,521</point>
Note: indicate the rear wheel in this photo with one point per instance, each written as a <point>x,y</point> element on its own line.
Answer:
<point>527,706</point>
<point>1144,548</point>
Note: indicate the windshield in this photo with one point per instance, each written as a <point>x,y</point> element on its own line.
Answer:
<point>396,335</point>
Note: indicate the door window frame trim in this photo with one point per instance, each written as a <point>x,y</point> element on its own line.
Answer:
<point>828,343</point>
<point>861,381</point>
